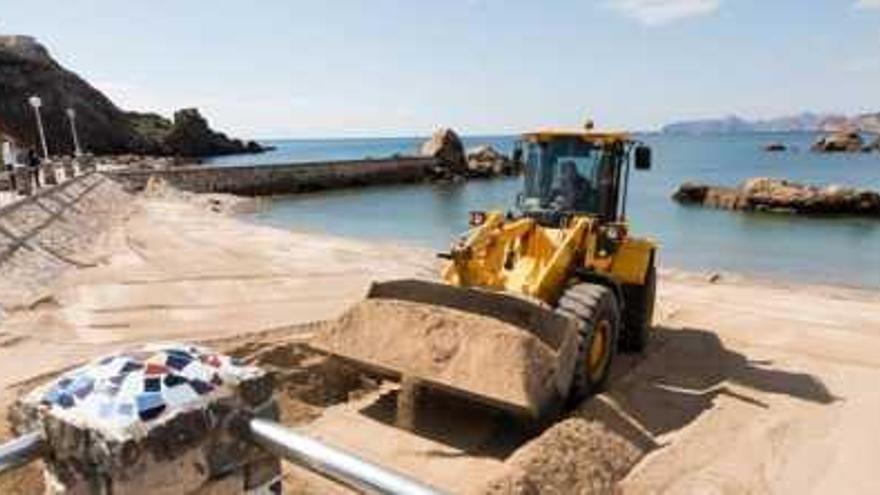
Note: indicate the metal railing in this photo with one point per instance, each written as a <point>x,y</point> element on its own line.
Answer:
<point>332,462</point>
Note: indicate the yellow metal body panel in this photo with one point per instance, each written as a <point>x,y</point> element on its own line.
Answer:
<point>631,261</point>
<point>520,256</point>
<point>605,137</point>
<point>517,256</point>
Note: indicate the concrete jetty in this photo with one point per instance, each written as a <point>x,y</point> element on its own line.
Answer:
<point>265,180</point>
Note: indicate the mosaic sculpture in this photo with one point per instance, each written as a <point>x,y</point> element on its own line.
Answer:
<point>163,419</point>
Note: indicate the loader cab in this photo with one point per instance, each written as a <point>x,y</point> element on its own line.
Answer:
<point>576,173</point>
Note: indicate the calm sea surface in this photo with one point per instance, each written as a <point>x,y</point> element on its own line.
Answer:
<point>827,250</point>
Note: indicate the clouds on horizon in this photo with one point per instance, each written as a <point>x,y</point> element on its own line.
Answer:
<point>659,12</point>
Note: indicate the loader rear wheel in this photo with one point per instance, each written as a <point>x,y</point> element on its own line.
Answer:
<point>596,308</point>
<point>639,313</point>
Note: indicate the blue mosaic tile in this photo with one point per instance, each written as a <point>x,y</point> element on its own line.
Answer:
<point>172,380</point>
<point>52,395</point>
<point>131,366</point>
<point>177,362</point>
<point>179,353</point>
<point>150,406</point>
<point>201,387</point>
<point>84,390</point>
<point>65,400</point>
<point>153,384</point>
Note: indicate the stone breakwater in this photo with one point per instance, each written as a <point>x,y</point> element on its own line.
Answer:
<point>782,196</point>
<point>265,180</point>
<point>44,234</point>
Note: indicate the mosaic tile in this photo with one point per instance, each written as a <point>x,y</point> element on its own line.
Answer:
<point>150,406</point>
<point>156,369</point>
<point>172,380</point>
<point>130,393</point>
<point>177,361</point>
<point>131,366</point>
<point>200,386</point>
<point>153,384</point>
<point>65,400</point>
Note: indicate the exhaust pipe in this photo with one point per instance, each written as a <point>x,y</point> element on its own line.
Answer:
<point>332,462</point>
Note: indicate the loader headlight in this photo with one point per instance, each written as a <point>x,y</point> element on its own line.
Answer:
<point>477,218</point>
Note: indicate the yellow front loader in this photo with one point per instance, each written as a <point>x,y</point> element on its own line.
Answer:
<point>561,267</point>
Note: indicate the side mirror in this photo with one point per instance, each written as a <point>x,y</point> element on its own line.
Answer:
<point>643,158</point>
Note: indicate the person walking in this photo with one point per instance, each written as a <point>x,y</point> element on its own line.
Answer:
<point>33,161</point>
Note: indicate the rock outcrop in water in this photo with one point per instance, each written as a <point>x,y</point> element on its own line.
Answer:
<point>27,69</point>
<point>486,161</point>
<point>446,147</point>
<point>776,195</point>
<point>454,164</point>
<point>839,142</point>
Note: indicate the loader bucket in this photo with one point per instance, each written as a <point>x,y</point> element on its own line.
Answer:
<point>491,347</point>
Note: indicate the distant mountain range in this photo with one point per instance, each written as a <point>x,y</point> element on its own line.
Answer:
<point>809,122</point>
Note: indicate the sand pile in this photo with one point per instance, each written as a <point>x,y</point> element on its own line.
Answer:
<point>575,456</point>
<point>450,347</point>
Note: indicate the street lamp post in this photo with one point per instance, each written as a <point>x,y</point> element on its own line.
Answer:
<point>36,102</point>
<point>71,115</point>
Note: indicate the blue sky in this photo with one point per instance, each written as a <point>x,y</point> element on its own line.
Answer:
<point>276,68</point>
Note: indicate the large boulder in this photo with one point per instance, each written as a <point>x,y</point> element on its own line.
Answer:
<point>446,147</point>
<point>486,161</point>
<point>838,142</point>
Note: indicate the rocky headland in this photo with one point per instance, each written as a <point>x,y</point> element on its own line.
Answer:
<point>28,69</point>
<point>804,122</point>
<point>782,196</point>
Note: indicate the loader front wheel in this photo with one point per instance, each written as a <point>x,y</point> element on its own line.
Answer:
<point>639,314</point>
<point>596,309</point>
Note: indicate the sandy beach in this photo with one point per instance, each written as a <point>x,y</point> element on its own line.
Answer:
<point>747,387</point>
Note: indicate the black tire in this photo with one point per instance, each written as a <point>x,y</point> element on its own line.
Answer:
<point>597,310</point>
<point>639,313</point>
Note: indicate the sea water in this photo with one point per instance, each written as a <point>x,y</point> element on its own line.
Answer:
<point>838,250</point>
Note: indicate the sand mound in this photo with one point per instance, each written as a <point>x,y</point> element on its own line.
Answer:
<point>574,456</point>
<point>449,347</point>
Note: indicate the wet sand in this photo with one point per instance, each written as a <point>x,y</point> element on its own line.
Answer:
<point>747,386</point>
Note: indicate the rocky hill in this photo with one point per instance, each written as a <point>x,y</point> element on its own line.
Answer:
<point>27,68</point>
<point>808,122</point>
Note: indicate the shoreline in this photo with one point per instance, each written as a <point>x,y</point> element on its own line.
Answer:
<point>671,270</point>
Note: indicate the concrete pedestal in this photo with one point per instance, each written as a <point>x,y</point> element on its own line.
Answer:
<point>24,181</point>
<point>165,419</point>
<point>50,176</point>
